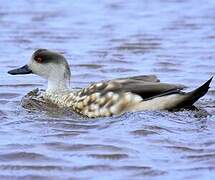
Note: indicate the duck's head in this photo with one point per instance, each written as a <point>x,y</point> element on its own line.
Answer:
<point>49,65</point>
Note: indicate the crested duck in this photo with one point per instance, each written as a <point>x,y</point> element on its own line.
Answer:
<point>113,97</point>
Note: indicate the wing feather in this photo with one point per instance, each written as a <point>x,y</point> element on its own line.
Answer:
<point>144,86</point>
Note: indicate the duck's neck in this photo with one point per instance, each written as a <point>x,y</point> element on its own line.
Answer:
<point>58,86</point>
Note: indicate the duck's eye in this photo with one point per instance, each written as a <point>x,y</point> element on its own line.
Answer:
<point>39,59</point>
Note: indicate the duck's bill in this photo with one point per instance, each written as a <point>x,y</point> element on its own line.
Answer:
<point>23,70</point>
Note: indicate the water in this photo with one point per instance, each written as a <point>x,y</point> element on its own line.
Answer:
<point>104,40</point>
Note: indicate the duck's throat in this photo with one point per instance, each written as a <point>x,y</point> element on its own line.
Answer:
<point>56,86</point>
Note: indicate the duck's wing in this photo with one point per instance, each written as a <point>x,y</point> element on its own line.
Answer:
<point>146,86</point>
<point>136,85</point>
<point>145,78</point>
<point>143,88</point>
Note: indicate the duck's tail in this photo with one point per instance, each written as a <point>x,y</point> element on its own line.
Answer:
<point>191,97</point>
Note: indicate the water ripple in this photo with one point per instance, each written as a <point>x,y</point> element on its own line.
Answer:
<point>173,39</point>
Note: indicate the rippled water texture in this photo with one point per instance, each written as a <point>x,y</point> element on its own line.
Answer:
<point>173,39</point>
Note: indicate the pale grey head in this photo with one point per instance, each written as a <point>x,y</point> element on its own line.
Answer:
<point>49,65</point>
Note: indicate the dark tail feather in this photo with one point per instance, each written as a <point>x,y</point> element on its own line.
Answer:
<point>193,96</point>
